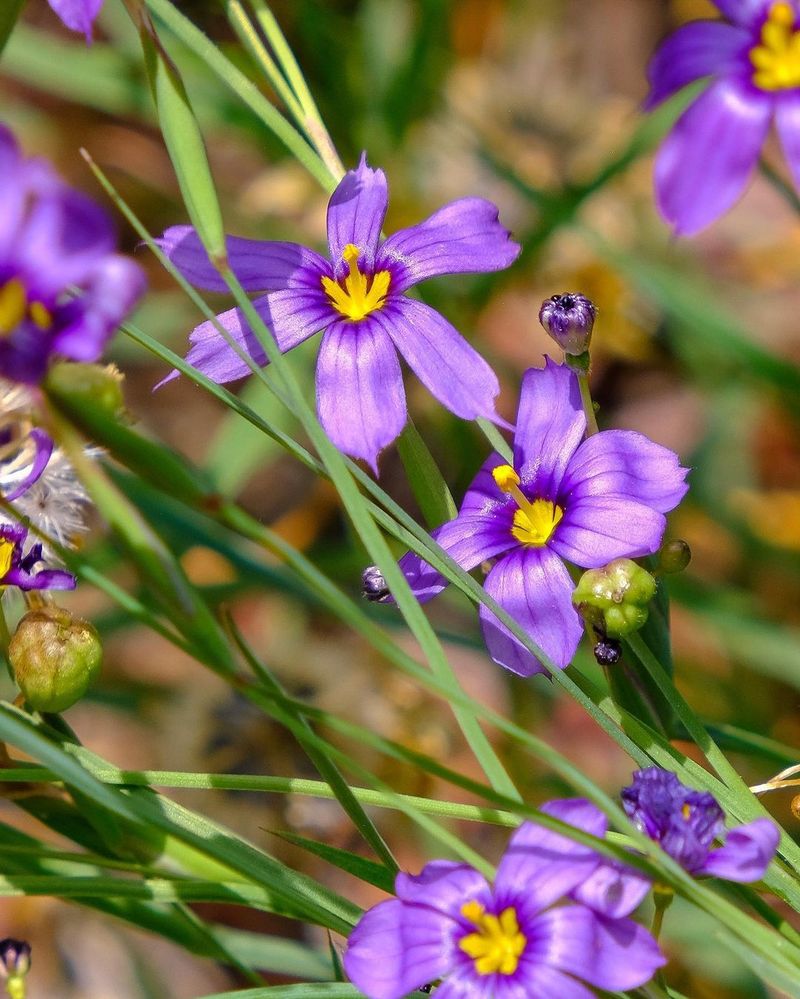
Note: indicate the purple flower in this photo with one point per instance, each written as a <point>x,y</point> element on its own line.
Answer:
<point>686,822</point>
<point>566,499</point>
<point>78,15</point>
<point>506,941</point>
<point>358,299</point>
<point>52,238</point>
<point>753,65</point>
<point>16,568</point>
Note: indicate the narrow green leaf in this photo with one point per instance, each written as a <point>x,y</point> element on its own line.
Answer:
<point>359,867</point>
<point>9,12</point>
<point>426,481</point>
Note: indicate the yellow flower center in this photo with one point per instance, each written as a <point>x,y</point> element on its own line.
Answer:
<point>6,552</point>
<point>535,520</point>
<point>497,944</point>
<point>15,307</point>
<point>359,295</point>
<point>777,58</point>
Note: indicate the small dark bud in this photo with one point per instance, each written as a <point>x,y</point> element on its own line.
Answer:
<point>674,556</point>
<point>15,958</point>
<point>569,319</point>
<point>373,585</point>
<point>615,598</point>
<point>54,657</point>
<point>608,652</point>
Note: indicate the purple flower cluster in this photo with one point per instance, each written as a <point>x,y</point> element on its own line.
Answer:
<point>556,916</point>
<point>565,499</point>
<point>53,238</point>
<point>752,61</point>
<point>358,299</point>
<point>685,823</point>
<point>78,15</point>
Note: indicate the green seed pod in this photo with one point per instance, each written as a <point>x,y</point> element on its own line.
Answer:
<point>54,657</point>
<point>98,386</point>
<point>614,599</point>
<point>674,556</point>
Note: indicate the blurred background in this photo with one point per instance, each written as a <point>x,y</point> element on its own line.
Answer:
<point>534,105</point>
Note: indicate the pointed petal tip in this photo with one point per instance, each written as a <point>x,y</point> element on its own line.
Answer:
<point>169,378</point>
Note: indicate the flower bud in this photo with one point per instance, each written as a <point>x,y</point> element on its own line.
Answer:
<point>54,657</point>
<point>373,585</point>
<point>98,386</point>
<point>569,319</point>
<point>15,958</point>
<point>674,556</point>
<point>607,652</point>
<point>615,598</point>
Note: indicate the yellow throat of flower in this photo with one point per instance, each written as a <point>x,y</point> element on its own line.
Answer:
<point>498,942</point>
<point>777,58</point>
<point>534,521</point>
<point>6,553</point>
<point>15,307</point>
<point>358,296</point>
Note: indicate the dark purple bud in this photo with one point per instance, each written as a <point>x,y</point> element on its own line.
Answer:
<point>373,585</point>
<point>15,958</point>
<point>569,319</point>
<point>608,652</point>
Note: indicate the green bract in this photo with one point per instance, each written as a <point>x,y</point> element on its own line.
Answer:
<point>615,597</point>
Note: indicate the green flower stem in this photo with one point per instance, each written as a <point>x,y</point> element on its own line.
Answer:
<point>495,438</point>
<point>426,480</point>
<point>588,405</point>
<point>784,189</point>
<point>9,12</point>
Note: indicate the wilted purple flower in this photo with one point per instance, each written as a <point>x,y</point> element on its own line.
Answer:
<point>17,567</point>
<point>586,502</point>
<point>506,941</point>
<point>686,822</point>
<point>358,299</point>
<point>78,15</point>
<point>51,238</point>
<point>753,63</point>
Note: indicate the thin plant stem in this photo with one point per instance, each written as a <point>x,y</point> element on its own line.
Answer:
<point>588,405</point>
<point>786,191</point>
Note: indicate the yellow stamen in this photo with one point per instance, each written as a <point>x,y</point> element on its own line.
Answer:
<point>13,305</point>
<point>776,59</point>
<point>358,296</point>
<point>40,315</point>
<point>686,811</point>
<point>498,943</point>
<point>6,552</point>
<point>535,520</point>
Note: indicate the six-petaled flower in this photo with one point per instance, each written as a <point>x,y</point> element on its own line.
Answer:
<point>556,916</point>
<point>686,823</point>
<point>53,238</point>
<point>358,298</point>
<point>565,499</point>
<point>752,61</point>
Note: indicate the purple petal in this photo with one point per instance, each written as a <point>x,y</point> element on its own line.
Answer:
<point>43,444</point>
<point>396,948</point>
<point>700,48</point>
<point>355,215</point>
<point>443,885</point>
<point>611,954</point>
<point>63,240</point>
<point>292,315</point>
<point>550,425</point>
<point>87,323</point>
<point>463,237</point>
<point>746,853</point>
<point>12,191</point>
<point>260,265</point>
<point>47,579</point>
<point>597,529</point>
<point>540,981</point>
<point>360,398</point>
<point>469,540</point>
<point>544,865</point>
<point>625,463</point>
<point>787,122</point>
<point>613,890</point>
<point>441,358</point>
<point>705,162</point>
<point>78,15</point>
<point>534,587</point>
<point>484,496</point>
<point>747,13</point>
